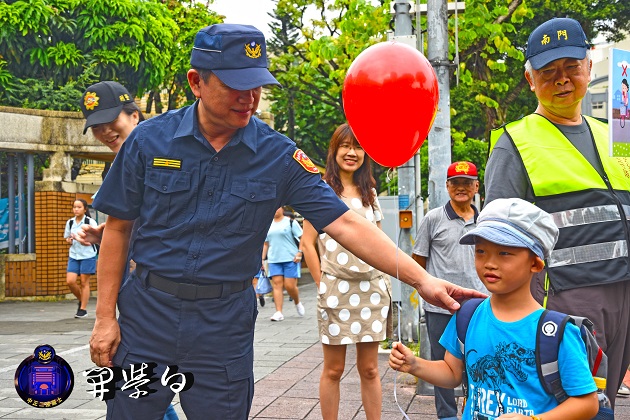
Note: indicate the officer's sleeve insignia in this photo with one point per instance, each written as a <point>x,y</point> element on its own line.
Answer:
<point>304,160</point>
<point>167,163</point>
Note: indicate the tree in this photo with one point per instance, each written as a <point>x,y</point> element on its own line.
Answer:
<point>144,44</point>
<point>493,37</point>
<point>310,59</point>
<point>189,16</point>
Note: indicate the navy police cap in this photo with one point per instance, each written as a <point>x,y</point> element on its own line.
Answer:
<point>235,53</point>
<point>557,38</point>
<point>102,103</point>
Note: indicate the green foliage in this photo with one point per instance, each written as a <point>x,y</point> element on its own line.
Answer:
<point>492,39</point>
<point>56,45</point>
<point>39,94</point>
<point>311,58</point>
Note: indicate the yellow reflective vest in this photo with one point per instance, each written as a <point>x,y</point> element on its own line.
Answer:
<point>591,210</point>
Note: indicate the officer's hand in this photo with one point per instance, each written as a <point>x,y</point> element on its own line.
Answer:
<point>401,358</point>
<point>446,295</point>
<point>104,341</point>
<point>90,235</point>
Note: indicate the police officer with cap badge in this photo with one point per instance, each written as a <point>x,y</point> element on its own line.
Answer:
<point>204,183</point>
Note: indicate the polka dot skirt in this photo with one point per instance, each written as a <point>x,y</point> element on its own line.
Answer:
<point>354,300</point>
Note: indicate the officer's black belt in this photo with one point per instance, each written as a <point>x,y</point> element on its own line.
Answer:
<point>189,291</point>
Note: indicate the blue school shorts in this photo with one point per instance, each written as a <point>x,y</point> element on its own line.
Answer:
<point>87,266</point>
<point>289,269</point>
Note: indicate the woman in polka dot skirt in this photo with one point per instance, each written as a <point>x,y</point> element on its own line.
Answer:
<point>354,300</point>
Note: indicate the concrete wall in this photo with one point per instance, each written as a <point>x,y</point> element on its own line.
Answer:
<point>31,130</point>
<point>60,134</point>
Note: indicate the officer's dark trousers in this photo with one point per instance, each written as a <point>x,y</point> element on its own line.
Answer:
<point>445,404</point>
<point>210,338</point>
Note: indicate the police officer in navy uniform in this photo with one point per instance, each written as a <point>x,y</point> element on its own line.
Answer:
<point>204,182</point>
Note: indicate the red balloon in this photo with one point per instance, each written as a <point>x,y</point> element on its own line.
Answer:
<point>390,98</point>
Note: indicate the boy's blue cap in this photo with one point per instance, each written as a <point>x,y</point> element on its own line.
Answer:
<point>557,38</point>
<point>235,53</point>
<point>515,222</point>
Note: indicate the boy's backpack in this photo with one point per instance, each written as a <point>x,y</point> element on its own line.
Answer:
<point>549,333</point>
<point>95,247</point>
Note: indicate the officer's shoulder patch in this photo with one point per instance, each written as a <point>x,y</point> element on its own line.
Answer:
<point>167,163</point>
<point>304,160</point>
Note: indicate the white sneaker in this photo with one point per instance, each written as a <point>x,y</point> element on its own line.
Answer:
<point>623,391</point>
<point>300,309</point>
<point>277,316</point>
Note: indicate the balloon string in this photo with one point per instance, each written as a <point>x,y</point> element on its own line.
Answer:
<point>396,374</point>
<point>399,332</point>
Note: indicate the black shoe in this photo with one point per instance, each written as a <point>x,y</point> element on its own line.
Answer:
<point>261,299</point>
<point>81,313</point>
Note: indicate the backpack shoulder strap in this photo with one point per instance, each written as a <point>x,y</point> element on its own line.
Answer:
<point>70,222</point>
<point>549,333</point>
<point>297,243</point>
<point>462,320</point>
<point>465,313</point>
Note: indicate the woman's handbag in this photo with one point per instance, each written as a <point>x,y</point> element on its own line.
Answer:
<point>264,284</point>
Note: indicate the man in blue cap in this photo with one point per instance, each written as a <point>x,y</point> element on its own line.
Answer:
<point>559,159</point>
<point>204,183</point>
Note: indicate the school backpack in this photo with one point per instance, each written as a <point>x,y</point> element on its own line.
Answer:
<point>95,247</point>
<point>297,243</point>
<point>549,333</point>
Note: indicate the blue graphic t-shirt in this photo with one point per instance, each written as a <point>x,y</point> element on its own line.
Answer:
<point>501,365</point>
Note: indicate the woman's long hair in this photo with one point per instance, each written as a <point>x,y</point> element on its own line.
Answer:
<point>362,177</point>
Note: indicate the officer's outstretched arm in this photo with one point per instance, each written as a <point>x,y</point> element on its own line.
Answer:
<point>370,244</point>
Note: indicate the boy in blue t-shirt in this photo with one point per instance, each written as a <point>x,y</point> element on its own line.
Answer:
<point>512,238</point>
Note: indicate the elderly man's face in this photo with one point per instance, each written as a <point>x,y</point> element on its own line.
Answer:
<point>560,86</point>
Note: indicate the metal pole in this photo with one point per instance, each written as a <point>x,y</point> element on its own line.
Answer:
<point>30,204</point>
<point>21,213</point>
<point>406,197</point>
<point>11,191</point>
<point>440,134</point>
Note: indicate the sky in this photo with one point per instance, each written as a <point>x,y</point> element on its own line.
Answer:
<point>249,12</point>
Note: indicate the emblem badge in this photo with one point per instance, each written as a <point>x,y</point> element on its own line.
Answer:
<point>549,328</point>
<point>253,50</point>
<point>44,380</point>
<point>90,101</point>
<point>462,167</point>
<point>304,160</point>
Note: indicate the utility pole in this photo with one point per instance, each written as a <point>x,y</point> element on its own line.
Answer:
<point>440,134</point>
<point>437,12</point>
<point>406,190</point>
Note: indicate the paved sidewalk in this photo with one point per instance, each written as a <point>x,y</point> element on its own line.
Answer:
<point>287,365</point>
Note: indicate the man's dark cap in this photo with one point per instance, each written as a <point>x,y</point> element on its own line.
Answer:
<point>237,54</point>
<point>557,38</point>
<point>102,103</point>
